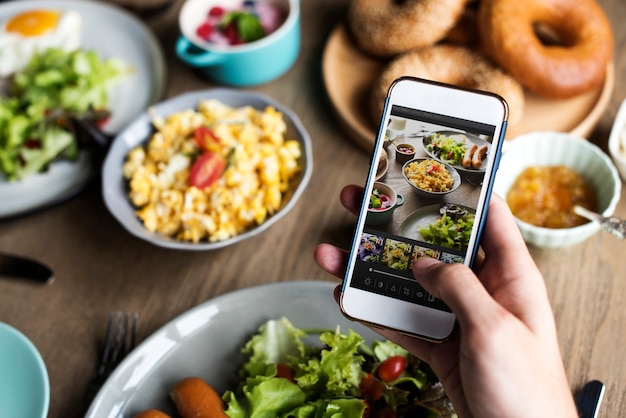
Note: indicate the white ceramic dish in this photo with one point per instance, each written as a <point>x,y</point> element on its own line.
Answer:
<point>420,219</point>
<point>383,165</point>
<point>206,340</point>
<point>473,139</point>
<point>111,32</point>
<point>114,188</point>
<point>553,148</point>
<point>24,384</point>
<point>617,141</point>
<point>453,173</point>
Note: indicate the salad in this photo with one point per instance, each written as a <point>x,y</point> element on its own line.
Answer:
<point>284,377</point>
<point>34,118</point>
<point>241,23</point>
<point>448,149</point>
<point>286,374</point>
<point>452,229</point>
<point>379,201</point>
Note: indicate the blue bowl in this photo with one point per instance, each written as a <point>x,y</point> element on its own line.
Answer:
<point>243,65</point>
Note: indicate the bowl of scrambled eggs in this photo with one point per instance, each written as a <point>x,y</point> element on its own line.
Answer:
<point>207,169</point>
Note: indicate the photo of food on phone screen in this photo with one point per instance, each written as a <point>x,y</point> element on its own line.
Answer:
<point>424,201</point>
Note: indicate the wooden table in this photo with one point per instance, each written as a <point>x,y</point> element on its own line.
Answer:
<point>99,266</point>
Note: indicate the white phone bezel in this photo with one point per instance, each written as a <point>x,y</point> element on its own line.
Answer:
<point>487,108</point>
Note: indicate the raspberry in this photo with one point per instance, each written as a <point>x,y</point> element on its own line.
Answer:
<point>231,33</point>
<point>32,143</point>
<point>216,11</point>
<point>204,31</point>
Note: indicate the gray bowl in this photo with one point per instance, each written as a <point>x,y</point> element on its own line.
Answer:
<point>114,186</point>
<point>206,342</point>
<point>455,175</point>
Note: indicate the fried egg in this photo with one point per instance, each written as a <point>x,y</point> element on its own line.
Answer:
<point>33,31</point>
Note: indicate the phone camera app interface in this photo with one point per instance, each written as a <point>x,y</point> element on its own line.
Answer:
<point>424,200</point>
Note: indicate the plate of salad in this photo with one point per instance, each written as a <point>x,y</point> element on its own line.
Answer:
<point>446,225</point>
<point>466,152</point>
<point>287,346</point>
<point>117,71</point>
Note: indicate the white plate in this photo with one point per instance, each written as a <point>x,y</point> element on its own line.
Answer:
<point>206,340</point>
<point>115,189</point>
<point>24,384</point>
<point>111,32</point>
<point>473,140</point>
<point>420,219</point>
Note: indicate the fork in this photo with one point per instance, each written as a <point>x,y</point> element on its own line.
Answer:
<point>120,338</point>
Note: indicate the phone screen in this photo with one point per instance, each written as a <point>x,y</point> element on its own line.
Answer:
<point>427,192</point>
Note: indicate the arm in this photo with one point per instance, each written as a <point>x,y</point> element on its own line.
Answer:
<point>505,359</point>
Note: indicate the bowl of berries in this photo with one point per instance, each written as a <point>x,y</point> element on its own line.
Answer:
<point>239,43</point>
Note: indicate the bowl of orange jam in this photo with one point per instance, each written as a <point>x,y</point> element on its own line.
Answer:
<point>543,175</point>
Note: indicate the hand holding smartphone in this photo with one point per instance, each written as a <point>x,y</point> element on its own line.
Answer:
<point>433,205</point>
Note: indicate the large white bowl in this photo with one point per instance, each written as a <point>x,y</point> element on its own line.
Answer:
<point>115,189</point>
<point>555,148</point>
<point>453,173</point>
<point>206,342</point>
<point>617,141</point>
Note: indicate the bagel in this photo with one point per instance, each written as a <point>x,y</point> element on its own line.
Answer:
<point>450,64</point>
<point>556,48</point>
<point>465,31</point>
<point>385,28</point>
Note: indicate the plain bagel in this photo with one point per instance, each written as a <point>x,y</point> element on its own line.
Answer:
<point>385,28</point>
<point>456,65</point>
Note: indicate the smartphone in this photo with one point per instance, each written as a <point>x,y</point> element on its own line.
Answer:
<point>427,191</point>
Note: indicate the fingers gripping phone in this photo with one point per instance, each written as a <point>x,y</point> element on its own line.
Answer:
<point>426,195</point>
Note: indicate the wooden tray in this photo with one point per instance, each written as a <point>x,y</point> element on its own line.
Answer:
<point>349,73</point>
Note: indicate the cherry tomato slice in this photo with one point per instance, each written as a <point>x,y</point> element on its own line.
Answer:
<point>206,170</point>
<point>284,371</point>
<point>205,138</point>
<point>371,387</point>
<point>392,368</point>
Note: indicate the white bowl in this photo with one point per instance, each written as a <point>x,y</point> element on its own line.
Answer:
<point>555,148</point>
<point>455,175</point>
<point>617,141</point>
<point>114,186</point>
<point>206,342</point>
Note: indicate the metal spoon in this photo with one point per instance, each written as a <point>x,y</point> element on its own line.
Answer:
<point>612,224</point>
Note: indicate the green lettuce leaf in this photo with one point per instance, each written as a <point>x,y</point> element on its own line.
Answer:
<point>54,80</point>
<point>278,341</point>
<point>338,372</point>
<point>325,383</point>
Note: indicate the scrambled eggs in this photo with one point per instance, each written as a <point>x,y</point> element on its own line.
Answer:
<point>260,163</point>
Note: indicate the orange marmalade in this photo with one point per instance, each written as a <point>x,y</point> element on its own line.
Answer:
<point>545,196</point>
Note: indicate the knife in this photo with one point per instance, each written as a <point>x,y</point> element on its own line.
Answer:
<point>12,266</point>
<point>589,398</point>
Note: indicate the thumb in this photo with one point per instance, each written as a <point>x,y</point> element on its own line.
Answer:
<point>460,289</point>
